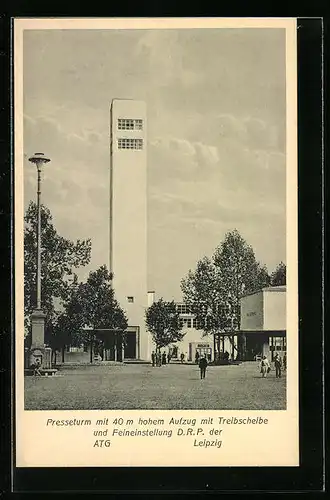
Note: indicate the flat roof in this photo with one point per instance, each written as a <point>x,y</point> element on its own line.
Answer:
<point>280,288</point>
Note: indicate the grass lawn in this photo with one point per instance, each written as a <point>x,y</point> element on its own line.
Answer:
<point>169,387</point>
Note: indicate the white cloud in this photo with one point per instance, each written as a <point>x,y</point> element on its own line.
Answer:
<point>216,121</point>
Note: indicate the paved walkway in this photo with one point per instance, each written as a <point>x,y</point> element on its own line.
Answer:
<point>173,386</point>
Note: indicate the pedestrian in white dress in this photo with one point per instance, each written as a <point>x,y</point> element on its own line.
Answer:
<point>264,366</point>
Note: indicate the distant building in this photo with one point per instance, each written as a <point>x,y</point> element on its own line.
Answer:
<point>263,322</point>
<point>263,315</point>
<point>262,329</point>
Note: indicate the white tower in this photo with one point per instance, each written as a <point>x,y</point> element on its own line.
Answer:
<point>128,218</point>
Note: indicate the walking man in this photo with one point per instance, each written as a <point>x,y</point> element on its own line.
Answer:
<point>278,366</point>
<point>203,366</point>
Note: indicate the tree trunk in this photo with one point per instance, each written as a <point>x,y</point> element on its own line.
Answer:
<point>63,351</point>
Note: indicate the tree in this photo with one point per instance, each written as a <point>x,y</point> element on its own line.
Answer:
<point>239,271</point>
<point>214,289</point>
<point>203,292</point>
<point>60,257</point>
<point>97,304</point>
<point>92,305</point>
<point>278,276</point>
<point>163,322</point>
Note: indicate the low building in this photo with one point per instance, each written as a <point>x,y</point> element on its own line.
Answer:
<point>263,323</point>
<point>262,332</point>
<point>196,341</point>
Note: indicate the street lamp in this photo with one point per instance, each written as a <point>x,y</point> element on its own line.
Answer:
<point>38,354</point>
<point>39,159</point>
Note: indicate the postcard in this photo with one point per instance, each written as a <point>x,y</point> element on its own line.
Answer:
<point>156,283</point>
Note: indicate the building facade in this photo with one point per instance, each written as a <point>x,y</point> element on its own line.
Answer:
<point>263,314</point>
<point>196,342</point>
<point>263,322</point>
<point>128,219</point>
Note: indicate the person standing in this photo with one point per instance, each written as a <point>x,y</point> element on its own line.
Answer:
<point>278,365</point>
<point>264,366</point>
<point>158,359</point>
<point>168,357</point>
<point>153,358</point>
<point>197,358</point>
<point>182,357</point>
<point>37,366</point>
<point>203,366</point>
<point>164,358</point>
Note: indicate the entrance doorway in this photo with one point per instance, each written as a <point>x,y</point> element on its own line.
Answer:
<point>277,345</point>
<point>130,345</point>
<point>254,346</point>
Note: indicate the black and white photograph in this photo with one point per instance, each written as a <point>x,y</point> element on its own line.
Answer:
<point>156,242</point>
<point>155,207</point>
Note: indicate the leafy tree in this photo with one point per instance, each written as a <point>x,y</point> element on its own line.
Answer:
<point>239,271</point>
<point>97,303</point>
<point>203,292</point>
<point>93,305</point>
<point>163,322</point>
<point>60,257</point>
<point>214,289</point>
<point>278,276</point>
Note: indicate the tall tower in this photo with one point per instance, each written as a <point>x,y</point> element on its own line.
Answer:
<point>128,218</point>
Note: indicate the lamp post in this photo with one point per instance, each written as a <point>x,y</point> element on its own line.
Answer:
<point>39,159</point>
<point>38,353</point>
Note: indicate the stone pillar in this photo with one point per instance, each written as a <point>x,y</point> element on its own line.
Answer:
<point>214,348</point>
<point>115,347</point>
<point>233,347</point>
<point>122,350</point>
<point>137,339</point>
<point>91,348</point>
<point>265,348</point>
<point>241,345</point>
<point>37,350</point>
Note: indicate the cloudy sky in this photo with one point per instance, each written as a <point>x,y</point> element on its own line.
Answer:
<point>216,145</point>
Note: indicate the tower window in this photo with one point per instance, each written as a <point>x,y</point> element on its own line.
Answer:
<point>130,143</point>
<point>130,299</point>
<point>130,124</point>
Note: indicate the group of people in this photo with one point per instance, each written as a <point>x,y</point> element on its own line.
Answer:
<point>279,364</point>
<point>199,356</point>
<point>159,359</point>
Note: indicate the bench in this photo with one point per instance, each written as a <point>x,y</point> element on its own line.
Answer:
<point>44,371</point>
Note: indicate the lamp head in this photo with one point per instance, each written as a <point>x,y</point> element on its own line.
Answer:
<point>39,159</point>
